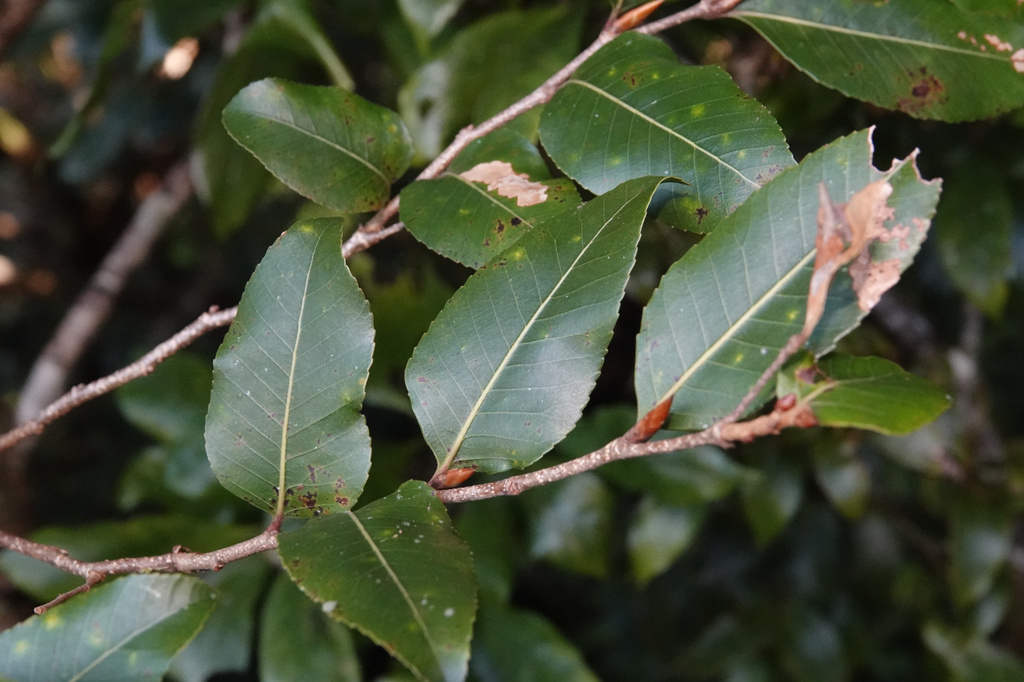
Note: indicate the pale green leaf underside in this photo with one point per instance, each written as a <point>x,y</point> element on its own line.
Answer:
<point>929,59</point>
<point>504,371</point>
<point>297,354</point>
<point>722,312</point>
<point>632,110</point>
<point>326,144</point>
<point>129,629</point>
<point>396,571</point>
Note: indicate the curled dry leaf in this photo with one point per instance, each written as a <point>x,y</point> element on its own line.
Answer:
<point>845,233</point>
<point>501,177</point>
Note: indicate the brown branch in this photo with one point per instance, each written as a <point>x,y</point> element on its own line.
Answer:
<point>706,9</point>
<point>797,415</point>
<point>175,561</point>
<point>145,365</point>
<point>48,376</point>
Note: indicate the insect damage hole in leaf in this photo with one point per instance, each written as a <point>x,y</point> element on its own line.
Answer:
<point>501,178</point>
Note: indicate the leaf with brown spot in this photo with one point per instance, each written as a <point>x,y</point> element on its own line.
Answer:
<point>471,223</point>
<point>929,59</point>
<point>721,313</point>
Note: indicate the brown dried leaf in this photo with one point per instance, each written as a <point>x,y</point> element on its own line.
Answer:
<point>501,177</point>
<point>845,233</point>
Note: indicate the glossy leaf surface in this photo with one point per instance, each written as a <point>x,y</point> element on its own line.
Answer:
<point>396,571</point>
<point>513,644</point>
<point>504,371</point>
<point>974,234</point>
<point>867,393</point>
<point>632,110</point>
<point>722,312</point>
<point>224,645</point>
<point>292,624</point>
<point>284,431</point>
<point>928,59</point>
<point>771,499</point>
<point>326,144</point>
<point>469,222</point>
<point>129,629</point>
<point>572,523</point>
<point>658,534</point>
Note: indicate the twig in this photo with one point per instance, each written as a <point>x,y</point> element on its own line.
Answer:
<point>145,365</point>
<point>705,9</point>
<point>48,376</point>
<point>175,561</point>
<point>796,415</point>
<point>545,91</point>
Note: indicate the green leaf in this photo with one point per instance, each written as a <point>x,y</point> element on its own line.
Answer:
<point>721,313</point>
<point>659,534</point>
<point>225,643</point>
<point>129,629</point>
<point>812,649</point>
<point>866,393</point>
<point>928,59</point>
<point>632,110</point>
<point>504,371</point>
<point>296,16</point>
<point>974,232</point>
<point>429,16</point>
<point>971,659</point>
<point>227,177</point>
<point>981,537</point>
<point>469,222</point>
<point>571,524</point>
<point>686,478</point>
<point>844,478</point>
<point>284,431</point>
<point>169,404</point>
<point>771,499</point>
<point>396,571</point>
<point>513,644</point>
<point>293,624</point>
<point>458,88</point>
<point>999,8</point>
<point>325,143</point>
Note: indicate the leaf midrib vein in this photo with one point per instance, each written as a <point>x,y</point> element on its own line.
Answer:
<point>727,335</point>
<point>658,124</point>
<point>291,383</point>
<point>316,136</point>
<point>871,36</point>
<point>398,584</point>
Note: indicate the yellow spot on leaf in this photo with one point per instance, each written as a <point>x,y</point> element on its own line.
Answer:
<point>52,621</point>
<point>697,110</point>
